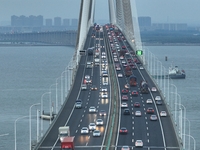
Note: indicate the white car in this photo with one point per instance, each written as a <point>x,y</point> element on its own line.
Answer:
<point>92,109</point>
<point>138,143</point>
<point>163,114</point>
<point>120,75</point>
<point>121,57</point>
<point>104,89</point>
<point>153,89</point>
<point>118,68</point>
<point>96,133</point>
<point>92,126</point>
<point>105,82</point>
<point>149,101</point>
<point>123,61</point>
<point>125,147</point>
<point>124,105</point>
<point>141,67</point>
<point>104,95</point>
<point>87,77</point>
<point>157,98</point>
<point>138,113</point>
<point>99,122</point>
<point>84,130</point>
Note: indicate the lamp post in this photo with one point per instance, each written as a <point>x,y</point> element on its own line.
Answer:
<point>62,87</point>
<point>193,140</point>
<point>15,129</point>
<point>188,131</point>
<point>42,111</point>
<point>30,122</point>
<point>50,104</point>
<point>175,100</point>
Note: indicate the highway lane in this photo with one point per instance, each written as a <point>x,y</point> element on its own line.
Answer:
<point>151,132</point>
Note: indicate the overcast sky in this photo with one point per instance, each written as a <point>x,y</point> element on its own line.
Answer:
<point>160,11</point>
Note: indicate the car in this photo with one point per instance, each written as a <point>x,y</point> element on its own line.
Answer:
<point>136,104</point>
<point>159,102</point>
<point>104,89</point>
<point>92,126</point>
<point>87,76</point>
<point>84,130</point>
<point>83,86</point>
<point>125,147</point>
<point>150,110</point>
<point>138,143</point>
<point>118,68</point>
<point>104,95</point>
<point>123,130</point>
<point>120,75</point>
<point>127,86</point>
<point>126,111</point>
<point>78,105</point>
<point>92,109</point>
<point>87,81</point>
<point>96,133</point>
<point>163,114</point>
<point>124,105</point>
<point>138,113</point>
<point>141,67</point>
<point>149,101</point>
<point>153,117</point>
<point>123,61</point>
<point>153,89</point>
<point>121,57</point>
<point>99,122</point>
<point>157,98</point>
<point>93,88</point>
<point>102,113</point>
<point>105,82</point>
<point>134,93</point>
<point>125,91</point>
<point>124,97</point>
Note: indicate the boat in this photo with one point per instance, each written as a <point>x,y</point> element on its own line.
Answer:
<point>176,73</point>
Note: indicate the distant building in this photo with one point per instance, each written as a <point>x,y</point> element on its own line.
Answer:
<point>66,22</point>
<point>57,21</point>
<point>170,26</point>
<point>144,21</point>
<point>74,22</point>
<point>48,22</point>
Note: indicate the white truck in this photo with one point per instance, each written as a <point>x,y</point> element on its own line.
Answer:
<point>63,132</point>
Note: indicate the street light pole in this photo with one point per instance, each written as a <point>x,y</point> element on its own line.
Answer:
<point>15,129</point>
<point>193,140</point>
<point>175,100</point>
<point>30,123</point>
<point>50,104</point>
<point>41,112</point>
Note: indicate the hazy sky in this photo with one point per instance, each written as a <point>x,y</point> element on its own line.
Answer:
<point>161,11</point>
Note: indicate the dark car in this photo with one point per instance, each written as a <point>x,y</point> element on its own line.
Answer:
<point>102,113</point>
<point>136,104</point>
<point>159,102</point>
<point>123,130</point>
<point>125,91</point>
<point>127,111</point>
<point>150,110</point>
<point>94,88</point>
<point>134,93</point>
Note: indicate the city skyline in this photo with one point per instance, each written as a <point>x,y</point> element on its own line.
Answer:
<point>161,11</point>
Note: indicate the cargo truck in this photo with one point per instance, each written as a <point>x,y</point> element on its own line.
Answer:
<point>63,132</point>
<point>68,143</point>
<point>144,87</point>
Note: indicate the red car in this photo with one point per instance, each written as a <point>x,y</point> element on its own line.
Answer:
<point>124,97</point>
<point>134,93</point>
<point>136,104</point>
<point>150,110</point>
<point>123,130</point>
<point>125,91</point>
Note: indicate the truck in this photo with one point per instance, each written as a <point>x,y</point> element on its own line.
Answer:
<point>128,71</point>
<point>90,51</point>
<point>68,143</point>
<point>133,80</point>
<point>144,87</point>
<point>63,131</point>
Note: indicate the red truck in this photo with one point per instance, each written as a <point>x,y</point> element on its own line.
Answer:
<point>128,71</point>
<point>133,80</point>
<point>67,143</point>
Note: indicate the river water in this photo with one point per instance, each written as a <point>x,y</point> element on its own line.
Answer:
<point>26,73</point>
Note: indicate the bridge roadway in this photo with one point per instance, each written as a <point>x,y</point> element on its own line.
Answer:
<point>156,135</point>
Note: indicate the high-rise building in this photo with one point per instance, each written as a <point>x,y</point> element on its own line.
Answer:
<point>144,21</point>
<point>48,22</point>
<point>74,22</point>
<point>66,22</point>
<point>57,21</point>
